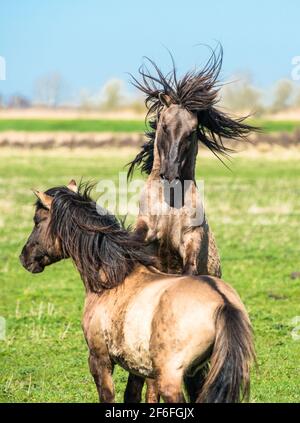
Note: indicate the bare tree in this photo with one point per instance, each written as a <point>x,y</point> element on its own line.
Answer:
<point>18,101</point>
<point>49,90</point>
<point>138,105</point>
<point>86,100</point>
<point>282,95</point>
<point>296,102</point>
<point>242,96</point>
<point>112,95</point>
<point>294,99</point>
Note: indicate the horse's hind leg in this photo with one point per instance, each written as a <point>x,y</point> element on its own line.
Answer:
<point>101,369</point>
<point>134,387</point>
<point>169,383</point>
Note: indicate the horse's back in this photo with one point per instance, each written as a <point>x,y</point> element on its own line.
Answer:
<point>184,323</point>
<point>169,316</point>
<point>154,317</point>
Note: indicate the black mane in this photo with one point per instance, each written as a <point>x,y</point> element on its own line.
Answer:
<point>94,240</point>
<point>198,92</point>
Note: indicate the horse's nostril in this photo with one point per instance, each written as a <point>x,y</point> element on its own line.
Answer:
<point>162,176</point>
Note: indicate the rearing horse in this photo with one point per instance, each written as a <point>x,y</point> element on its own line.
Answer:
<point>181,114</point>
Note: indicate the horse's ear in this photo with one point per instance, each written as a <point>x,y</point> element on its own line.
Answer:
<point>45,199</point>
<point>165,99</point>
<point>72,185</point>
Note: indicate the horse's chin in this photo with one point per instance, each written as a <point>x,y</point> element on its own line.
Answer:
<point>37,269</point>
<point>38,266</point>
<point>33,267</point>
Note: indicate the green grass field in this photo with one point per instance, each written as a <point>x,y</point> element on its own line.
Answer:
<point>81,125</point>
<point>78,125</point>
<point>254,211</point>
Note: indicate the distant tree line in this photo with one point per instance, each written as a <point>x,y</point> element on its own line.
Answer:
<point>240,95</point>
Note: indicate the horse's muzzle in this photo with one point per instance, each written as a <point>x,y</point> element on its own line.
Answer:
<point>33,266</point>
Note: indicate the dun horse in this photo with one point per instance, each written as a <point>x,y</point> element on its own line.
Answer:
<point>181,113</point>
<point>153,324</point>
<point>171,219</point>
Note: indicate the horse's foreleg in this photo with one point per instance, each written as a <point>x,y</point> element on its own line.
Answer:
<point>194,252</point>
<point>101,369</point>
<point>189,252</point>
<point>141,230</point>
<point>134,387</point>
<point>152,394</point>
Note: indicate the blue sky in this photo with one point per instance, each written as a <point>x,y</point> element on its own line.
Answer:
<point>90,41</point>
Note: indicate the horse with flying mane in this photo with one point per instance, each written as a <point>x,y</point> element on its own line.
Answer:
<point>182,113</point>
<point>153,324</point>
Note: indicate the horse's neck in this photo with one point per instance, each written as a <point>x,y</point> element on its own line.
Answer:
<point>155,171</point>
<point>189,191</point>
<point>188,172</point>
<point>86,283</point>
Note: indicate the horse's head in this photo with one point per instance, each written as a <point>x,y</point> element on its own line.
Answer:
<point>67,223</point>
<point>176,138</point>
<point>41,249</point>
<point>182,112</point>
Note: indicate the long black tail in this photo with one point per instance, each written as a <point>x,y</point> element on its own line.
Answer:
<point>228,379</point>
